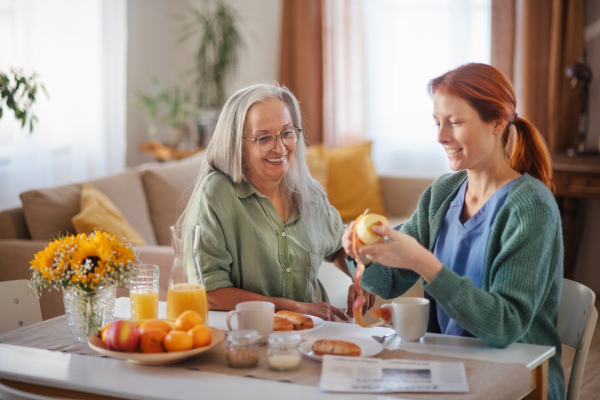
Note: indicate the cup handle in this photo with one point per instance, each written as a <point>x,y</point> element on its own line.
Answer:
<point>390,307</point>
<point>230,315</point>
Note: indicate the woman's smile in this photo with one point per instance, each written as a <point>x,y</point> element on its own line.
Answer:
<point>276,160</point>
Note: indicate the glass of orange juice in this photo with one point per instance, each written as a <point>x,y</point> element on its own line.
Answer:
<point>143,292</point>
<point>186,286</point>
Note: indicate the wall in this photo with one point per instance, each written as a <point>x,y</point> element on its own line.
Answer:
<point>587,270</point>
<point>154,49</point>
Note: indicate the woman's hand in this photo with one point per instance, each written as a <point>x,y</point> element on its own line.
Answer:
<point>322,310</point>
<point>347,240</point>
<point>348,244</point>
<point>353,295</point>
<point>401,251</point>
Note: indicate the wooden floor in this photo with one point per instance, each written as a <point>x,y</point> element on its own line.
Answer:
<point>590,386</point>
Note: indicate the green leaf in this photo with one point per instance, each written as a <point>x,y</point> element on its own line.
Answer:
<point>18,91</point>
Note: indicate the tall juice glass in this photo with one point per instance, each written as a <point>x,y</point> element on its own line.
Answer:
<point>186,286</point>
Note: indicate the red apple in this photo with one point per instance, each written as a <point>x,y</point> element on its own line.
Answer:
<point>123,335</point>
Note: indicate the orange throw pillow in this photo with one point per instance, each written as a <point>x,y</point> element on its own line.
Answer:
<point>318,163</point>
<point>352,183</point>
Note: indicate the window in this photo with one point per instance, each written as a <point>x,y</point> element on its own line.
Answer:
<point>78,49</point>
<point>407,43</point>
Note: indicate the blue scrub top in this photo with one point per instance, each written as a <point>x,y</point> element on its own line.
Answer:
<point>462,247</point>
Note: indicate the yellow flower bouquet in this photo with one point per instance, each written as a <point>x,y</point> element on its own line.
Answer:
<point>88,268</point>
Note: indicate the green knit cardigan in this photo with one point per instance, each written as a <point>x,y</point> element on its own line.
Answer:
<point>523,270</point>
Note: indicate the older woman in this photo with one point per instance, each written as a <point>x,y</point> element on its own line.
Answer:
<point>266,224</point>
<point>486,240</point>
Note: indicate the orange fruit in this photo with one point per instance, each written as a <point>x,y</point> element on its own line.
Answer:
<point>201,335</point>
<point>155,324</point>
<point>152,340</point>
<point>178,341</point>
<point>187,320</point>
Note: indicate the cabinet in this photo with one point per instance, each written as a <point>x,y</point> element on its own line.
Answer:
<point>575,179</point>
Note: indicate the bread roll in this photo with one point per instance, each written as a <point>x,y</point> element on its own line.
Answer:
<point>335,347</point>
<point>300,321</point>
<point>282,324</point>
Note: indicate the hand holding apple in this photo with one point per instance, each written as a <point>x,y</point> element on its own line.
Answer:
<point>364,225</point>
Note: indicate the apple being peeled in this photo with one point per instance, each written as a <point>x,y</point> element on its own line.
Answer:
<point>123,335</point>
<point>364,227</point>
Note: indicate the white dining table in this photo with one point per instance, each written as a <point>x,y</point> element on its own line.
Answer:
<point>111,377</point>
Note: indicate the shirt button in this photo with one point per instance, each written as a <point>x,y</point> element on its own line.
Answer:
<point>288,269</point>
<point>283,234</point>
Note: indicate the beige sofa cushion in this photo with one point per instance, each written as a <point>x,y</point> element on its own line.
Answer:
<point>49,211</point>
<point>98,212</point>
<point>168,189</point>
<point>126,191</point>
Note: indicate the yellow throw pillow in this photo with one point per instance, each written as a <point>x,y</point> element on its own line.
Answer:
<point>352,184</point>
<point>99,212</point>
<point>318,163</point>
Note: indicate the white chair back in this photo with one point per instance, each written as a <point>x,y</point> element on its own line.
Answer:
<point>18,306</point>
<point>577,318</point>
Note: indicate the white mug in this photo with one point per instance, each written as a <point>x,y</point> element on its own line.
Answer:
<point>257,315</point>
<point>411,317</point>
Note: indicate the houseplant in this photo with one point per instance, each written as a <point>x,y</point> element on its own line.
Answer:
<point>215,29</point>
<point>18,93</point>
<point>169,109</point>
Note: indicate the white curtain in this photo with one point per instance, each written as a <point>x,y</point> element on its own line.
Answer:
<point>79,50</point>
<point>344,72</point>
<point>407,44</point>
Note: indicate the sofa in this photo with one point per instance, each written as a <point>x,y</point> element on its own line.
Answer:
<point>149,197</point>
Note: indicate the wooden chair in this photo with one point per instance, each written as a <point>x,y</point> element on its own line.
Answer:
<point>18,307</point>
<point>577,318</point>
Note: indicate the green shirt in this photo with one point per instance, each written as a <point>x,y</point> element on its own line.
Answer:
<point>244,243</point>
<point>523,270</point>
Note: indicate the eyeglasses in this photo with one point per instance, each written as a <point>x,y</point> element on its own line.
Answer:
<point>267,142</point>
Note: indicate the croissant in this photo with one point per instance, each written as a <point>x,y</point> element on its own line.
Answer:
<point>282,324</point>
<point>300,321</point>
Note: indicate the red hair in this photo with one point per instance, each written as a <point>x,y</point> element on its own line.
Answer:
<point>491,94</point>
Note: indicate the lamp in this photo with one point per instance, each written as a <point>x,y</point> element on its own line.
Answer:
<point>581,72</point>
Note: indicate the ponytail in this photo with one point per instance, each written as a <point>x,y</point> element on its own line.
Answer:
<point>530,153</point>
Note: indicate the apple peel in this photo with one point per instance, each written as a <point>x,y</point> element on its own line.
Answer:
<point>383,314</point>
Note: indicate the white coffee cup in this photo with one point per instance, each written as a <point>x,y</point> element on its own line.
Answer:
<point>257,315</point>
<point>410,316</point>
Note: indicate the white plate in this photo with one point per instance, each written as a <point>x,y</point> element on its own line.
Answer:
<point>368,348</point>
<point>95,342</point>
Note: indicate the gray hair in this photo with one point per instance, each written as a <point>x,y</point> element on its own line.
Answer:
<point>224,154</point>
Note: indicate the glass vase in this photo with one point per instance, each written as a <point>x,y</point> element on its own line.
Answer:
<point>186,286</point>
<point>88,311</point>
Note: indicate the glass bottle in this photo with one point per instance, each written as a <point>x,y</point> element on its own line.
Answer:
<point>283,353</point>
<point>242,348</point>
<point>186,286</point>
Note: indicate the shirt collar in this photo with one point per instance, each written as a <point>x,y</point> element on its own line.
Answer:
<point>246,189</point>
